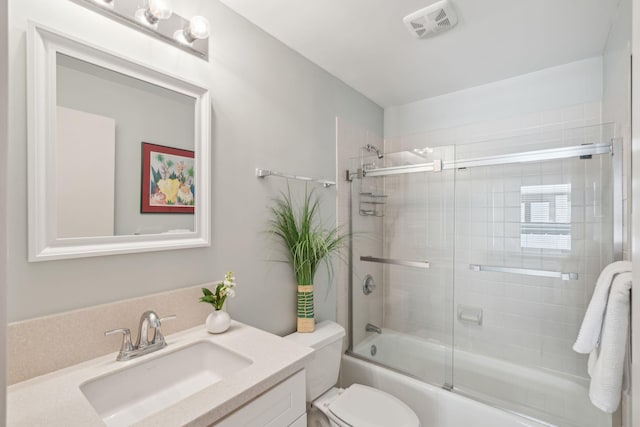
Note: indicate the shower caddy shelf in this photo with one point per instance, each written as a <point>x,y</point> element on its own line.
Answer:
<point>372,204</point>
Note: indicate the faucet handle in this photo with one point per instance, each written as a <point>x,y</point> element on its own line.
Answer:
<point>126,340</point>
<point>158,337</point>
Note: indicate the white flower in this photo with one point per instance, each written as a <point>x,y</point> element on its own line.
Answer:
<point>231,293</point>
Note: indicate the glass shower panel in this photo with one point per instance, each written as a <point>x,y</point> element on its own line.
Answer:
<point>403,241</point>
<point>531,239</point>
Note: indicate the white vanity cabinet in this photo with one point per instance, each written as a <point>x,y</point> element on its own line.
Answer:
<point>259,380</point>
<point>281,406</point>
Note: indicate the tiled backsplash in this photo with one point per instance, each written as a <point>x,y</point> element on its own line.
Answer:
<point>46,344</point>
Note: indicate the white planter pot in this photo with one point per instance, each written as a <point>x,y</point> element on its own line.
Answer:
<point>218,321</point>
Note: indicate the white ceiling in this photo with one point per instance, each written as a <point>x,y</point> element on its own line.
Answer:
<point>365,44</point>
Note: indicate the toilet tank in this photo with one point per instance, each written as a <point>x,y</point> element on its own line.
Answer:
<point>323,367</point>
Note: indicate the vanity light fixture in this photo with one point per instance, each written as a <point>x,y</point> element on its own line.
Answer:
<point>197,29</point>
<point>156,18</point>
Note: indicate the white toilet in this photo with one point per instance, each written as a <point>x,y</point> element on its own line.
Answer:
<point>355,406</point>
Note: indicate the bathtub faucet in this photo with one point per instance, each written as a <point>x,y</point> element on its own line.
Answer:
<point>373,328</point>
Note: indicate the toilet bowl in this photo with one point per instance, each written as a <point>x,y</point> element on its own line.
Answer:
<point>354,406</point>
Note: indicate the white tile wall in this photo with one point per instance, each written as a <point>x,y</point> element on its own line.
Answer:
<point>516,101</point>
<point>418,225</point>
<point>528,320</point>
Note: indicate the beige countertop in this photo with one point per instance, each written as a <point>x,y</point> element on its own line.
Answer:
<point>55,399</point>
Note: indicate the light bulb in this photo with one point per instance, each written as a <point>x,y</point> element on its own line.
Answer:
<point>198,27</point>
<point>159,9</point>
<point>155,11</point>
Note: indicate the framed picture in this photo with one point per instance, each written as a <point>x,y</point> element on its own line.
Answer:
<point>168,179</point>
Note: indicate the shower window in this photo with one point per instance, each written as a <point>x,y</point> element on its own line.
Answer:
<point>545,216</point>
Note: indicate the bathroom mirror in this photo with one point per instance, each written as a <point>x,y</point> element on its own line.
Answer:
<point>118,153</point>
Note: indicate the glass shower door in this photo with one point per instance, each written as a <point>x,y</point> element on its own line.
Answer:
<point>531,238</point>
<point>403,235</point>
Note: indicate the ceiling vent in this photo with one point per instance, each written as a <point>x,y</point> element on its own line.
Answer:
<point>433,19</point>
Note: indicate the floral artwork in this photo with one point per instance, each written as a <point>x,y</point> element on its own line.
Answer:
<point>168,179</point>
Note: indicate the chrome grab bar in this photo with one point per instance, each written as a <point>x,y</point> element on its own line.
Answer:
<point>405,263</point>
<point>525,271</point>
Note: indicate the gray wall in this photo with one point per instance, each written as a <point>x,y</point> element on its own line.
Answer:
<point>143,113</point>
<point>271,109</point>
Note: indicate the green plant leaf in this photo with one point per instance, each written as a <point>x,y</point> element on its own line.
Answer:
<point>307,243</point>
<point>209,299</point>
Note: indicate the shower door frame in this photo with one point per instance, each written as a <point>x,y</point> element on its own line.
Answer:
<point>614,148</point>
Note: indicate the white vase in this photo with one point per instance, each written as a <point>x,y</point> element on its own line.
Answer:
<point>218,321</point>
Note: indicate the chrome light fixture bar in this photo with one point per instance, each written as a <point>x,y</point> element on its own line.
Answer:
<point>155,18</point>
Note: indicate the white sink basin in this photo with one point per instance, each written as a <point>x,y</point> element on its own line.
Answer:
<point>133,393</point>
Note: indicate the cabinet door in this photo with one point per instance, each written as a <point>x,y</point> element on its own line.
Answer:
<point>300,422</point>
<point>280,406</point>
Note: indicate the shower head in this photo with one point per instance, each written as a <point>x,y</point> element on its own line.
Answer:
<point>372,149</point>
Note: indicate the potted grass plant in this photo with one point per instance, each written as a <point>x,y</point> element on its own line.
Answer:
<point>307,245</point>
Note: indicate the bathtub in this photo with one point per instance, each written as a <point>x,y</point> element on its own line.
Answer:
<point>536,394</point>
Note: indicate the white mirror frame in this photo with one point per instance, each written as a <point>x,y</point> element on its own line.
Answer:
<point>42,46</point>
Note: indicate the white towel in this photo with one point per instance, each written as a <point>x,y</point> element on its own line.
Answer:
<point>606,362</point>
<point>589,334</point>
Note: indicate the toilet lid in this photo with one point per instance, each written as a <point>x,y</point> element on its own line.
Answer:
<point>360,405</point>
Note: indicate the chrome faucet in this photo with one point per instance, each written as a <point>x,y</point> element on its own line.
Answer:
<point>148,320</point>
<point>373,328</point>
